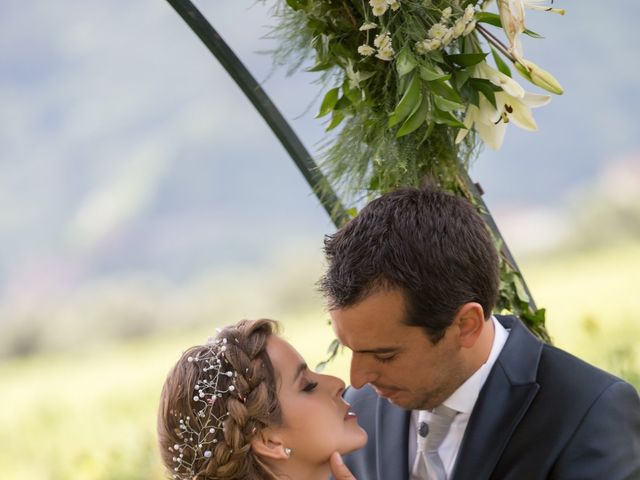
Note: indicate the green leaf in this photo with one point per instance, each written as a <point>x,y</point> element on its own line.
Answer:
<point>417,118</point>
<point>470,94</point>
<point>494,19</point>
<point>353,94</point>
<point>430,74</point>
<point>446,118</point>
<point>297,4</point>
<point>485,87</point>
<point>532,34</point>
<point>318,67</point>
<point>466,59</point>
<point>502,66</point>
<point>428,131</point>
<point>336,119</point>
<point>342,103</point>
<point>328,102</point>
<point>407,103</point>
<point>444,90</point>
<point>461,78</point>
<point>490,18</point>
<point>405,62</point>
<point>446,105</point>
<point>520,290</point>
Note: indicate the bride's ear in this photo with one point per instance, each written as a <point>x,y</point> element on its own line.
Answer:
<point>269,444</point>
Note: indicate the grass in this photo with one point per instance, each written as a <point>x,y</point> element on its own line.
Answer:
<point>90,414</point>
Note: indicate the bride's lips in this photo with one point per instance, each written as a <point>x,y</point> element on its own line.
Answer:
<point>350,415</point>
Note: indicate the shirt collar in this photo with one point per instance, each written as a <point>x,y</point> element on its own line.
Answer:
<point>464,398</point>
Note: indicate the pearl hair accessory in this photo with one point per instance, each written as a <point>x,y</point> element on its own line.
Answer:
<point>198,434</point>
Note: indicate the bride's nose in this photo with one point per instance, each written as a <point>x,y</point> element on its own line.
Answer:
<point>335,384</point>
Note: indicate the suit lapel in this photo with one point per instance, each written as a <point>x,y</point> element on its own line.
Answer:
<point>503,402</point>
<point>392,446</point>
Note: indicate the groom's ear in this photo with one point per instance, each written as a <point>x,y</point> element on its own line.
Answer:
<point>268,443</point>
<point>470,322</point>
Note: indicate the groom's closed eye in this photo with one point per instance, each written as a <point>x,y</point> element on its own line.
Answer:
<point>385,358</point>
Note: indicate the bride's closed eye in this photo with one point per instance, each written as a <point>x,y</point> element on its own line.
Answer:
<point>309,386</point>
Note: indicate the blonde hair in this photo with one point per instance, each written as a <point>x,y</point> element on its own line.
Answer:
<point>248,406</point>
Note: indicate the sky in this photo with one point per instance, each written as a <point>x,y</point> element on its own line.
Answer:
<point>125,146</point>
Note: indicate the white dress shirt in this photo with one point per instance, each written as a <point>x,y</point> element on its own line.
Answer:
<point>463,400</point>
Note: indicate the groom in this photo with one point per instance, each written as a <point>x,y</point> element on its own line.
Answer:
<point>444,389</point>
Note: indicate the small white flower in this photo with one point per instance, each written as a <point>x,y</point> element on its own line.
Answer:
<point>394,5</point>
<point>368,26</point>
<point>379,11</point>
<point>366,50</point>
<point>448,37</point>
<point>379,7</point>
<point>385,54</point>
<point>446,14</point>
<point>383,40</point>
<point>428,45</point>
<point>459,27</point>
<point>469,13</point>
<point>470,28</point>
<point>438,31</point>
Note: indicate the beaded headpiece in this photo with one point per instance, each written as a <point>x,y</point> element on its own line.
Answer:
<point>198,434</point>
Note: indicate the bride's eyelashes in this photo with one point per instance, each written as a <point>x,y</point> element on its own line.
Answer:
<point>309,386</point>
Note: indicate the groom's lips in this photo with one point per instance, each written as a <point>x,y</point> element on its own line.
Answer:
<point>385,392</point>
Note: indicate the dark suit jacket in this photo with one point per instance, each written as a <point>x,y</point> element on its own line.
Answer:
<point>541,414</point>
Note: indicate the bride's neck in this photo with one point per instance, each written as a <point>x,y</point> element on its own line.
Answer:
<point>297,471</point>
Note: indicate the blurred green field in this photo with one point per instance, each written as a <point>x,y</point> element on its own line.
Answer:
<point>90,414</point>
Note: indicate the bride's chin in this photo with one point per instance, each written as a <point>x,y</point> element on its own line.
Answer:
<point>358,442</point>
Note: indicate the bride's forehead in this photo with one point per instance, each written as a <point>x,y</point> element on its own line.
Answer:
<point>282,353</point>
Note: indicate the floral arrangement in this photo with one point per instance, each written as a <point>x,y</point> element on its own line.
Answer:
<point>416,87</point>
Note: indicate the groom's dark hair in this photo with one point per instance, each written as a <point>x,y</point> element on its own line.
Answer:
<point>431,245</point>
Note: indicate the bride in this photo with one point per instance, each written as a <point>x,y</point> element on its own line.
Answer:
<point>246,406</point>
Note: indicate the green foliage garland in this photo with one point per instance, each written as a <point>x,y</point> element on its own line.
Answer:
<point>409,84</point>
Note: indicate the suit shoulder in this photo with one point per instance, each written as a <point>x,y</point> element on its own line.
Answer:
<point>572,373</point>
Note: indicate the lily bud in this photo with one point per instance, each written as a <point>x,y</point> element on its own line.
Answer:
<point>539,77</point>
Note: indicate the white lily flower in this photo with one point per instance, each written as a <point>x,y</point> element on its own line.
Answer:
<point>512,18</point>
<point>536,5</point>
<point>518,110</point>
<point>485,119</point>
<point>499,79</point>
<point>490,122</point>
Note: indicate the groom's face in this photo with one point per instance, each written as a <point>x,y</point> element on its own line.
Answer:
<point>399,361</point>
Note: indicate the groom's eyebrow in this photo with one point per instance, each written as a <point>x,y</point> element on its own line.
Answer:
<point>301,368</point>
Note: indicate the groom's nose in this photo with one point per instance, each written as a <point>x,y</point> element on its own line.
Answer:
<point>361,372</point>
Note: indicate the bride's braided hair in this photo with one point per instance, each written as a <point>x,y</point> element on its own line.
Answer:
<point>210,440</point>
